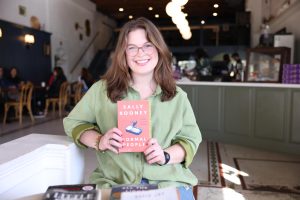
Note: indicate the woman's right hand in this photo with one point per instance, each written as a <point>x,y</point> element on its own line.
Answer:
<point>111,140</point>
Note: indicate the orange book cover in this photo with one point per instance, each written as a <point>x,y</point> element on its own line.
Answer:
<point>134,121</point>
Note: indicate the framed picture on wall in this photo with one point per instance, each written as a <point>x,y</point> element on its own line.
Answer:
<point>22,10</point>
<point>265,64</point>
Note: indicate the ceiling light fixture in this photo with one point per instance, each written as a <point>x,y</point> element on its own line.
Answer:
<point>0,32</point>
<point>130,16</point>
<point>215,14</point>
<point>202,22</point>
<point>156,15</point>
<point>180,2</point>
<point>216,5</point>
<point>150,8</point>
<point>121,9</point>
<point>174,10</point>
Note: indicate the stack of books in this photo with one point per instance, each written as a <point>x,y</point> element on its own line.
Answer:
<point>291,73</point>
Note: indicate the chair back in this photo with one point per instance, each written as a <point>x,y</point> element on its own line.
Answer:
<point>77,92</point>
<point>26,94</point>
<point>63,93</point>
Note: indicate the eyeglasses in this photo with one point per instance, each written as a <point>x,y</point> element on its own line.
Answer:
<point>133,50</point>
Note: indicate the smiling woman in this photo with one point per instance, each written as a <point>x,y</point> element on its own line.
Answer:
<point>141,63</point>
<point>140,69</point>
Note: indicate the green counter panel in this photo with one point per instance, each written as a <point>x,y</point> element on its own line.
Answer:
<point>259,117</point>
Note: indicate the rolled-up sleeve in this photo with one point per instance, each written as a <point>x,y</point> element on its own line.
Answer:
<point>78,130</point>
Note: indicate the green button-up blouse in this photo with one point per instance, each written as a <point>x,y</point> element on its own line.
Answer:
<point>171,122</point>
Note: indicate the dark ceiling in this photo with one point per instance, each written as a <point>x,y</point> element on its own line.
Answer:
<point>197,10</point>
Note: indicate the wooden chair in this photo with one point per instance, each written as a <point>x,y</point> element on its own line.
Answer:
<point>24,100</point>
<point>61,101</point>
<point>76,92</point>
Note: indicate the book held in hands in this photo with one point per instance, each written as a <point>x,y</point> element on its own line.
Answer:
<point>134,121</point>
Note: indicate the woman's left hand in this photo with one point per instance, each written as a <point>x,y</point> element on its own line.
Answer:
<point>154,153</point>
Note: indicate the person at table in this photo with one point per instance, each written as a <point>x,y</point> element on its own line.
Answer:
<point>86,79</point>
<point>141,69</point>
<point>203,65</point>
<point>58,77</point>
<point>236,66</point>
<point>227,61</point>
<point>14,84</point>
<point>14,79</point>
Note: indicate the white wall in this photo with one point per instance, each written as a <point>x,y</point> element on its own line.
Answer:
<point>255,7</point>
<point>9,11</point>
<point>59,17</point>
<point>289,19</point>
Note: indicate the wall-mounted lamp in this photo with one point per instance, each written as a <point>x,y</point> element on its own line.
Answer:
<point>0,32</point>
<point>29,40</point>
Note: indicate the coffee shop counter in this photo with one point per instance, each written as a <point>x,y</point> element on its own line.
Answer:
<point>263,115</point>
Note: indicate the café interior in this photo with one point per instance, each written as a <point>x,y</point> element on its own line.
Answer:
<point>237,60</point>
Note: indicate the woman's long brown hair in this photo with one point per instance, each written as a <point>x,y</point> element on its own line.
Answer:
<point>118,76</point>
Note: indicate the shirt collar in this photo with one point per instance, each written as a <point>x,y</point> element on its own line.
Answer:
<point>157,91</point>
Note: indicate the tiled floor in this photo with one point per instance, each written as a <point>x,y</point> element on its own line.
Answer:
<point>54,125</point>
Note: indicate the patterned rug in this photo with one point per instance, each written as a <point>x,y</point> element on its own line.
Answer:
<point>206,165</point>
<point>248,172</point>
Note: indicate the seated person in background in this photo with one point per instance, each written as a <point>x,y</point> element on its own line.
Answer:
<point>141,69</point>
<point>226,59</point>
<point>236,66</point>
<point>236,62</point>
<point>14,80</point>
<point>203,62</point>
<point>55,82</point>
<point>176,69</point>
<point>14,84</point>
<point>86,79</point>
<point>51,79</point>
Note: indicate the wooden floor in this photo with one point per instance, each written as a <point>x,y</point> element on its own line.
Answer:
<point>51,124</point>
